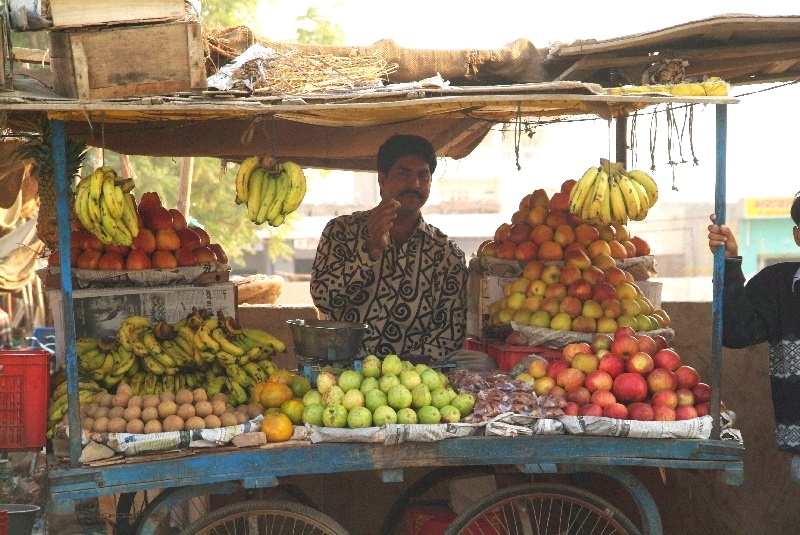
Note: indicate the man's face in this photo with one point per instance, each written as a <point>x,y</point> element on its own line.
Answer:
<point>408,182</point>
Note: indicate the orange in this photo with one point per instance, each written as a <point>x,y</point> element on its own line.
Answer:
<point>281,376</point>
<point>293,408</point>
<point>255,392</point>
<point>277,426</point>
<point>273,395</point>
<point>300,386</point>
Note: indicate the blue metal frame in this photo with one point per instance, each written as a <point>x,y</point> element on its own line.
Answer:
<point>202,473</point>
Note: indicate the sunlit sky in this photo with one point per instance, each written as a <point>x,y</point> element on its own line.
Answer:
<point>760,140</point>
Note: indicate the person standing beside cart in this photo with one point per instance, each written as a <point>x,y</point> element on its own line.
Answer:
<point>766,308</point>
<point>390,269</point>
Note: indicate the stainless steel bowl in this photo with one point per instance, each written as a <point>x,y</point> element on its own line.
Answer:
<point>327,339</point>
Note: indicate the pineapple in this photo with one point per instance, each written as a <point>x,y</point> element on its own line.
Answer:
<point>39,151</point>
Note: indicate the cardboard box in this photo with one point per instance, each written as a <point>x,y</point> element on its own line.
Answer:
<point>126,61</point>
<point>99,312</point>
<point>272,318</point>
<point>73,13</point>
<point>482,290</point>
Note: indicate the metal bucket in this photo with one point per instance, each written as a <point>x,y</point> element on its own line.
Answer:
<point>21,518</point>
<point>327,340</point>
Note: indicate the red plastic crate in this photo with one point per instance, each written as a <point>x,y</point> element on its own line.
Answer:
<point>427,520</point>
<point>507,355</point>
<point>24,394</point>
<point>3,522</point>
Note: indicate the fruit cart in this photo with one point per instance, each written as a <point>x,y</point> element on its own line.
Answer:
<point>205,473</point>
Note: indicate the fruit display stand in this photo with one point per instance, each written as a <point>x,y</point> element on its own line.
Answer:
<point>186,476</point>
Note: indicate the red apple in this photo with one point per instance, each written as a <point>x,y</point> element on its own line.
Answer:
<point>205,239</point>
<point>611,363</point>
<point>569,351</point>
<point>89,259</point>
<point>624,345</point>
<point>640,362</point>
<point>664,397</point>
<point>646,344</point>
<point>602,291</point>
<point>660,341</point>
<point>111,260</point>
<point>687,376</point>
<point>629,387</point>
<point>121,249</point>
<point>685,396</point>
<point>598,380</point>
<point>161,259</point>
<point>178,219</point>
<point>685,412</point>
<point>603,397</point>
<point>204,255</point>
<point>157,218</point>
<point>558,392</point>
<point>702,393</point>
<point>148,200</point>
<point>570,378</point>
<point>640,411</point>
<point>667,358</point>
<point>661,379</point>
<point>590,409</point>
<point>145,241</point>
<point>488,248</point>
<point>579,395</point>
<point>137,259</point>
<point>189,238</point>
<point>703,409</point>
<point>571,408</point>
<point>616,410</point>
<point>555,367</point>
<point>581,289</point>
<point>664,413</point>
<point>167,239</point>
<point>185,257</point>
<point>601,341</point>
<point>625,330</point>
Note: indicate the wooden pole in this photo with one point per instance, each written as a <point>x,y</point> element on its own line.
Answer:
<point>185,187</point>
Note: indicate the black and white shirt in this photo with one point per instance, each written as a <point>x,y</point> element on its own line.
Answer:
<point>412,297</point>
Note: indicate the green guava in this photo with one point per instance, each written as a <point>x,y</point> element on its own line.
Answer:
<point>312,414</point>
<point>349,379</point>
<point>399,397</point>
<point>430,378</point>
<point>374,399</point>
<point>429,415</point>
<point>334,416</point>
<point>333,396</point>
<point>464,403</point>
<point>369,383</point>
<point>391,365</point>
<point>406,416</point>
<point>353,398</point>
<point>440,397</point>
<point>359,417</point>
<point>384,415</point>
<point>420,396</point>
<point>312,397</point>
<point>450,414</point>
<point>371,366</point>
<point>387,381</point>
<point>409,379</point>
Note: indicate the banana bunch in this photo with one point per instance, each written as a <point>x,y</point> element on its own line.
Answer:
<point>609,194</point>
<point>270,194</point>
<point>104,361</point>
<point>105,206</point>
<point>59,403</point>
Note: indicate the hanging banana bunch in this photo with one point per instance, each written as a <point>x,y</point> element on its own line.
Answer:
<point>610,194</point>
<point>269,194</point>
<point>105,206</point>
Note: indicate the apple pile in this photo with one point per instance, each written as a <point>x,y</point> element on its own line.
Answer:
<point>580,294</point>
<point>165,241</point>
<point>627,375</point>
<point>544,229</point>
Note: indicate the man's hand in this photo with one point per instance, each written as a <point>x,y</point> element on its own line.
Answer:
<point>379,223</point>
<point>721,235</point>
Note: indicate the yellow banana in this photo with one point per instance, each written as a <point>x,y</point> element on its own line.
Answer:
<point>254,194</point>
<point>618,211</point>
<point>91,360</point>
<point>123,360</point>
<point>214,385</point>
<point>644,205</point>
<point>149,384</point>
<point>96,184</point>
<point>134,369</point>
<point>181,358</point>
<point>225,358</point>
<point>263,338</point>
<point>225,344</point>
<point>84,344</point>
<point>168,383</point>
<point>630,196</point>
<point>136,381</point>
<point>113,203</point>
<point>154,348</point>
<point>297,186</point>
<point>82,204</point>
<point>277,221</point>
<point>579,191</point>
<point>605,207</point>
<point>128,217</point>
<point>257,375</point>
<point>98,374</point>
<point>647,182</point>
<point>183,343</point>
<point>598,195</point>
<point>153,366</point>
<point>243,175</point>
<point>84,384</point>
<point>282,187</point>
<point>237,394</point>
<point>269,188</point>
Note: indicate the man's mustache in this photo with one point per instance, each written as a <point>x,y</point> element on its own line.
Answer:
<point>411,192</point>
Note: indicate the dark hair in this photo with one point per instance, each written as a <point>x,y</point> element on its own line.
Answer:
<point>401,145</point>
<point>795,211</point>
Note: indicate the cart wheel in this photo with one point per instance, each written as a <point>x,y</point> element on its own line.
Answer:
<point>542,509</point>
<point>132,505</point>
<point>273,517</point>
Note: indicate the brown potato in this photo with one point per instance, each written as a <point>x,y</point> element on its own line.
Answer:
<point>116,412</point>
<point>104,399</point>
<point>149,413</point>
<point>132,413</point>
<point>173,422</point>
<point>186,411</point>
<point>203,408</point>
<point>167,408</point>
<point>184,396</point>
<point>91,408</point>
<point>199,394</point>
<point>153,426</point>
<point>135,427</point>
<point>135,401</point>
<point>87,423</point>
<point>254,409</point>
<point>120,401</point>
<point>101,412</point>
<point>124,389</point>
<point>220,396</point>
<point>219,407</point>
<point>195,422</point>
<point>212,421</point>
<point>150,400</point>
<point>100,424</point>
<point>117,425</point>
<point>228,419</point>
<point>167,396</point>
<point>241,417</point>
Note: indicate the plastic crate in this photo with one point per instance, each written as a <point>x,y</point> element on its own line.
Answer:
<point>24,395</point>
<point>505,356</point>
<point>3,522</point>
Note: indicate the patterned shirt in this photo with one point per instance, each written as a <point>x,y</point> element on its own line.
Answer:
<point>767,309</point>
<point>412,296</point>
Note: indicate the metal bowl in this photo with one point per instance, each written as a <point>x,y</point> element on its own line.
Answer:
<point>327,339</point>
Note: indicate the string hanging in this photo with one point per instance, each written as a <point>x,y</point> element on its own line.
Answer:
<point>653,137</point>
<point>518,134</point>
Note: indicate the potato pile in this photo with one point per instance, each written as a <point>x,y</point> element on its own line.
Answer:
<point>183,410</point>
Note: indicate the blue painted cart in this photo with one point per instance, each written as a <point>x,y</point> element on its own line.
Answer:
<point>517,509</point>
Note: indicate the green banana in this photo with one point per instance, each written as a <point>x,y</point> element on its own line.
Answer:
<point>225,344</point>
<point>235,372</point>
<point>85,385</point>
<point>257,375</point>
<point>237,394</point>
<point>269,188</point>
<point>123,360</point>
<point>137,381</point>
<point>263,338</point>
<point>225,358</point>
<point>91,360</point>
<point>149,384</point>
<point>282,188</point>
<point>153,366</point>
<point>214,385</point>
<point>168,383</point>
<point>254,193</point>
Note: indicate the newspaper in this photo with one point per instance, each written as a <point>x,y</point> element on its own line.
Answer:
<point>132,444</point>
<point>699,428</point>
<point>391,434</point>
<point>512,425</point>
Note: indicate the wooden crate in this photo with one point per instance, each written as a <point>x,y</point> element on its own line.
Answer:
<point>124,61</point>
<point>75,13</point>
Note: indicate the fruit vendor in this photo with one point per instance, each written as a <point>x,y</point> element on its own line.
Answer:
<point>388,268</point>
<point>766,309</point>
